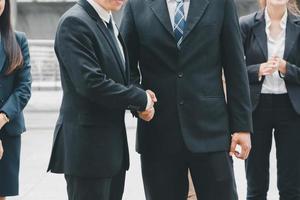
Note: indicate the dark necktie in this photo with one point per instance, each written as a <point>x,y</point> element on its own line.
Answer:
<point>114,38</point>
<point>179,22</point>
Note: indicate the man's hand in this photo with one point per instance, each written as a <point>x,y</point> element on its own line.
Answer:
<point>3,120</point>
<point>1,150</point>
<point>152,96</point>
<point>244,141</point>
<point>148,114</point>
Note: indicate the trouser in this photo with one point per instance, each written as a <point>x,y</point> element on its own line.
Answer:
<point>166,177</point>
<point>96,188</point>
<point>274,114</point>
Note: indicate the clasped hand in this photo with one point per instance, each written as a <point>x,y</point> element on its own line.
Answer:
<point>272,65</point>
<point>148,114</point>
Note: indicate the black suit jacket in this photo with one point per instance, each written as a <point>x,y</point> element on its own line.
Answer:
<point>191,108</point>
<point>256,52</point>
<point>15,89</point>
<point>90,136</point>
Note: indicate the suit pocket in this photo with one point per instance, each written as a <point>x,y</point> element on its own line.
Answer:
<point>209,115</point>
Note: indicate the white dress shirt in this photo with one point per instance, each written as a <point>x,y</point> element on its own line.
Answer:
<point>172,4</point>
<point>274,84</point>
<point>106,16</point>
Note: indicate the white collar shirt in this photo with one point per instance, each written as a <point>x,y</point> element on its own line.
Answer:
<point>274,84</point>
<point>106,16</point>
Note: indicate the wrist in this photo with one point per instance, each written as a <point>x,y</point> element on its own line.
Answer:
<point>282,67</point>
<point>4,117</point>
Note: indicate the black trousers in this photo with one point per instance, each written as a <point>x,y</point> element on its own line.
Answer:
<point>166,177</point>
<point>274,114</point>
<point>96,188</point>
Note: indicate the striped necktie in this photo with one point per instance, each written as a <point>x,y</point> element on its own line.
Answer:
<point>179,22</point>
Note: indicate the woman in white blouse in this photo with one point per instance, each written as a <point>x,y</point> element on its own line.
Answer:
<point>271,39</point>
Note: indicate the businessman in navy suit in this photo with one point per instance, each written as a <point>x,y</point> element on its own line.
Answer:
<point>178,49</point>
<point>90,144</point>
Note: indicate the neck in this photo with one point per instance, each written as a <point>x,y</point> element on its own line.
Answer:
<point>276,12</point>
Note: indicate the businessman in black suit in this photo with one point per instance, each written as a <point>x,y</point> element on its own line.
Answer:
<point>90,145</point>
<point>181,48</point>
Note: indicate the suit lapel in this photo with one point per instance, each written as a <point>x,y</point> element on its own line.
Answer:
<point>196,11</point>
<point>292,33</point>
<point>2,57</point>
<point>90,10</point>
<point>108,36</point>
<point>126,58</point>
<point>259,31</point>
<point>160,9</point>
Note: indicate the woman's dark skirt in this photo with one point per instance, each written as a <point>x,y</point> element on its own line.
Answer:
<point>9,165</point>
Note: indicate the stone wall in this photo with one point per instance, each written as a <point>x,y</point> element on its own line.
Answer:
<point>39,20</point>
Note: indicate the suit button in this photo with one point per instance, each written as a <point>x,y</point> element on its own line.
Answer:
<point>180,75</point>
<point>181,103</point>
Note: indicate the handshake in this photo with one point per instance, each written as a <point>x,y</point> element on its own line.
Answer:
<point>148,114</point>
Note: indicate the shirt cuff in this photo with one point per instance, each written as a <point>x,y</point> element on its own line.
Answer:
<point>149,101</point>
<point>281,75</point>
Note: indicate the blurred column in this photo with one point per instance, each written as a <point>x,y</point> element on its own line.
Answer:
<point>14,12</point>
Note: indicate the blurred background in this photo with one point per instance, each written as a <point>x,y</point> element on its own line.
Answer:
<point>38,19</point>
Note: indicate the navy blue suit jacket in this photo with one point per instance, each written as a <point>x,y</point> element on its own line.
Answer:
<point>15,89</point>
<point>256,52</point>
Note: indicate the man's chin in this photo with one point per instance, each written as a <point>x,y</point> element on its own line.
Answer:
<point>118,5</point>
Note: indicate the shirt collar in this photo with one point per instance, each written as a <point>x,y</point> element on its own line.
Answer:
<point>103,14</point>
<point>283,20</point>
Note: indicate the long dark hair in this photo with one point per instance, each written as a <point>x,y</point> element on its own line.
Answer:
<point>292,6</point>
<point>11,47</point>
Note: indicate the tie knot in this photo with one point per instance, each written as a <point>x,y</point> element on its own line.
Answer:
<point>179,1</point>
<point>110,24</point>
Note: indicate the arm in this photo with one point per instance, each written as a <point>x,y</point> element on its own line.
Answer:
<point>131,39</point>
<point>235,72</point>
<point>292,73</point>
<point>253,70</point>
<point>75,49</point>
<point>22,92</point>
<point>238,94</point>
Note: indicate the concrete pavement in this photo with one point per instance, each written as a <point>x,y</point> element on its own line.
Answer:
<point>36,184</point>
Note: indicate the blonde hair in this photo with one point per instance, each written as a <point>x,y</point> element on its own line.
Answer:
<point>292,6</point>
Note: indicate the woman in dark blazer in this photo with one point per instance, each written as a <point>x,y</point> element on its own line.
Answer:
<point>271,40</point>
<point>15,84</point>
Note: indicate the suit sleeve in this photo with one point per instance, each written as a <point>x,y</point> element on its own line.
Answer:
<point>131,39</point>
<point>238,92</point>
<point>76,51</point>
<point>22,92</point>
<point>292,73</point>
<point>252,70</point>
